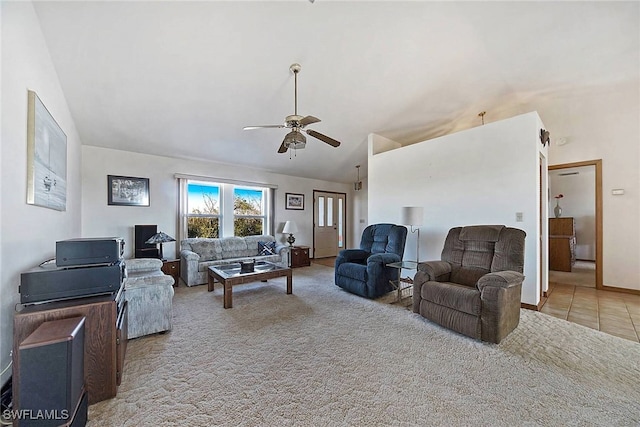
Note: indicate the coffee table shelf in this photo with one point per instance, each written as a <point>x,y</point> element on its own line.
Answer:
<point>230,275</point>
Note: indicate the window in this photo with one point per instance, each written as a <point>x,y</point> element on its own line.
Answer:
<point>203,209</point>
<point>249,214</point>
<point>321,211</point>
<point>221,209</point>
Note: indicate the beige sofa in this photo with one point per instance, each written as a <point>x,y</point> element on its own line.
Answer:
<point>198,254</point>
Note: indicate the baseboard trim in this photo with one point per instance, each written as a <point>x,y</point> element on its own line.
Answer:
<point>622,290</point>
<point>531,306</point>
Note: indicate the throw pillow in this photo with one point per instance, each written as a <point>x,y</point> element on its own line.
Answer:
<point>266,248</point>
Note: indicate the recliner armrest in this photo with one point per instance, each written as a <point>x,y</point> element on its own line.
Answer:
<point>353,255</point>
<point>384,258</point>
<point>502,279</point>
<point>436,271</point>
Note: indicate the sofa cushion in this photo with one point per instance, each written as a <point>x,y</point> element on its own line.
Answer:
<point>234,247</point>
<point>266,248</point>
<point>467,276</point>
<point>208,250</point>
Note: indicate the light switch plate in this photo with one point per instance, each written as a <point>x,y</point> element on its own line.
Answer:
<point>519,217</point>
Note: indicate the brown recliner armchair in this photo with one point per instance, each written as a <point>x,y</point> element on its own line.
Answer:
<point>476,288</point>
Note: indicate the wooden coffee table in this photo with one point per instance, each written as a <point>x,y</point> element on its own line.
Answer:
<point>229,275</point>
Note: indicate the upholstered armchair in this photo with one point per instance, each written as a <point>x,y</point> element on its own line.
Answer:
<point>363,271</point>
<point>476,288</point>
<point>149,295</point>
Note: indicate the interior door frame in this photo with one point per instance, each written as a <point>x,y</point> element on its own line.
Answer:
<point>344,219</point>
<point>598,208</point>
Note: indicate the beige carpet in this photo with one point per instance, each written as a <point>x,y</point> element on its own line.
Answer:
<point>323,357</point>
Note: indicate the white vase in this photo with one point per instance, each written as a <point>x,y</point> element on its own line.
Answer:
<point>557,211</point>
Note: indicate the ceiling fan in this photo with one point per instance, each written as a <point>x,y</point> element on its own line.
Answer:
<point>295,139</point>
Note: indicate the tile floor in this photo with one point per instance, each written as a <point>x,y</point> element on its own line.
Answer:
<point>614,313</point>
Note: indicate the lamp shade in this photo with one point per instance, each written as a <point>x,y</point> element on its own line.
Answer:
<point>160,238</point>
<point>412,215</point>
<point>290,227</point>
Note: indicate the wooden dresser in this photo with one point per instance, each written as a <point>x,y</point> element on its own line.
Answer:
<point>562,243</point>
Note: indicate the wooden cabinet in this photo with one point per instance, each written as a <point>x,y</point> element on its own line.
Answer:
<point>562,227</point>
<point>562,243</point>
<point>300,256</point>
<point>172,268</point>
<point>105,338</point>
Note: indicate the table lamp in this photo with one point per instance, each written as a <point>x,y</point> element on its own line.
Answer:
<point>160,238</point>
<point>290,228</point>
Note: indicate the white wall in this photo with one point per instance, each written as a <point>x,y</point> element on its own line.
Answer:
<point>579,202</point>
<point>482,175</point>
<point>29,232</point>
<point>609,130</point>
<point>99,219</point>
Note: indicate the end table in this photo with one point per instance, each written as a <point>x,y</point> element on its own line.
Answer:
<point>404,285</point>
<point>172,268</point>
<point>299,256</point>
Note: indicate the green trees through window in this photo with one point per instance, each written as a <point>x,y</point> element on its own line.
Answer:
<point>248,212</point>
<point>203,218</point>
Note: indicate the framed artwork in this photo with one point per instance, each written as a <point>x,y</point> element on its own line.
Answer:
<point>46,157</point>
<point>127,191</point>
<point>294,201</point>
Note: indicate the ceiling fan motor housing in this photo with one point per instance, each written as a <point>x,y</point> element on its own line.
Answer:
<point>293,121</point>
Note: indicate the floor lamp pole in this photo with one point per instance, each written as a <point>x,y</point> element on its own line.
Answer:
<point>417,243</point>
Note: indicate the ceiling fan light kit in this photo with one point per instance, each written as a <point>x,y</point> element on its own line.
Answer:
<point>295,139</point>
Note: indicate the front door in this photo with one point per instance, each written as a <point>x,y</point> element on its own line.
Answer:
<point>329,212</point>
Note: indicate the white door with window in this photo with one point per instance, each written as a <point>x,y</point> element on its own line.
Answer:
<point>329,212</point>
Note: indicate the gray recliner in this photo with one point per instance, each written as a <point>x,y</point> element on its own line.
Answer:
<point>476,288</point>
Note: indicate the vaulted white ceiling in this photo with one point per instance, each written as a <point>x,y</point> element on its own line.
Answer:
<point>182,79</point>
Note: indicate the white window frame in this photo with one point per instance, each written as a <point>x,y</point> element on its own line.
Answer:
<point>226,216</point>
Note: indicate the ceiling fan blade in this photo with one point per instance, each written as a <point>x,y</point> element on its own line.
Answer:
<point>323,138</point>
<point>283,147</point>
<point>263,127</point>
<point>308,120</point>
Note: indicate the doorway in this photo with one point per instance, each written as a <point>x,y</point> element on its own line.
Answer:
<point>592,229</point>
<point>329,213</point>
